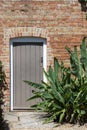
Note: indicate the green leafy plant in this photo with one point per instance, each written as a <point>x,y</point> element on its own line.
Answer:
<point>3,86</point>
<point>64,95</point>
<point>79,70</point>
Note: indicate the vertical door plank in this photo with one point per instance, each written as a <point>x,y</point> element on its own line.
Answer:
<point>17,76</point>
<point>27,73</point>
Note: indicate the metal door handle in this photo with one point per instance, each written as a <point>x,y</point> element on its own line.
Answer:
<point>41,62</point>
<point>33,91</point>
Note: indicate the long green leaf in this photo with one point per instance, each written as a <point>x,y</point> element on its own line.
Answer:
<point>62,115</point>
<point>35,85</point>
<point>84,55</point>
<point>51,74</point>
<point>72,117</point>
<point>34,97</point>
<point>45,85</point>
<point>56,68</point>
<point>75,62</point>
<point>47,95</point>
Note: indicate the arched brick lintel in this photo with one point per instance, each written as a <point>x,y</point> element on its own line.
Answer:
<point>25,32</point>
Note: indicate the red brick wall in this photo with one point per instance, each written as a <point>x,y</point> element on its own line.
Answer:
<point>61,22</point>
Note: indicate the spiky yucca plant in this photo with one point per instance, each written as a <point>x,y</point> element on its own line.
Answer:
<point>64,95</point>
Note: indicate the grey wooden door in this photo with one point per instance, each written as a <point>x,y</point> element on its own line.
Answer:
<point>27,65</point>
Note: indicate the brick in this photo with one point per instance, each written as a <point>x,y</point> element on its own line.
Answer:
<point>62,23</point>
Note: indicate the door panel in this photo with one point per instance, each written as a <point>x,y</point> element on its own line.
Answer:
<point>26,66</point>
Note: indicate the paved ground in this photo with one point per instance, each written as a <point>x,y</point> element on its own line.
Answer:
<point>34,121</point>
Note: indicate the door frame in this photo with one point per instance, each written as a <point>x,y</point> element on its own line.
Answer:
<point>19,40</point>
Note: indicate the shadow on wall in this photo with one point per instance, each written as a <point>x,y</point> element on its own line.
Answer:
<point>3,87</point>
